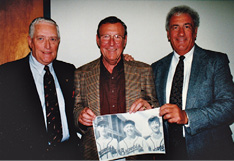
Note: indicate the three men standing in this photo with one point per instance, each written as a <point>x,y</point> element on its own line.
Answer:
<point>195,91</point>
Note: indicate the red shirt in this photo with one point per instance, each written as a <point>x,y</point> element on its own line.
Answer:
<point>112,89</point>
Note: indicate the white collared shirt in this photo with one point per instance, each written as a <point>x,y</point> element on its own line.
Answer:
<point>38,76</point>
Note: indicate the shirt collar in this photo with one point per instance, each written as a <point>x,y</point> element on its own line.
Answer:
<point>187,55</point>
<point>119,67</point>
<point>36,65</point>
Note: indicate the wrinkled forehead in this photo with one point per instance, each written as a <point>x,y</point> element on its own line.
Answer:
<point>46,28</point>
<point>181,18</point>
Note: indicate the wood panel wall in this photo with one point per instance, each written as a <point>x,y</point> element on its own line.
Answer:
<point>15,17</point>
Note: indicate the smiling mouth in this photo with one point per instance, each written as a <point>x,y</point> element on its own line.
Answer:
<point>47,53</point>
<point>181,40</point>
<point>112,50</point>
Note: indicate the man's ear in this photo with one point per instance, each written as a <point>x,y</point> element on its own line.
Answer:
<point>195,33</point>
<point>125,41</point>
<point>97,41</point>
<point>168,35</point>
<point>30,42</point>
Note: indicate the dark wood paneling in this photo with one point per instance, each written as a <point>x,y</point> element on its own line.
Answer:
<point>15,17</point>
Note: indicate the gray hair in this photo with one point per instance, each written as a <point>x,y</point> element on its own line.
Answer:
<point>183,9</point>
<point>41,20</point>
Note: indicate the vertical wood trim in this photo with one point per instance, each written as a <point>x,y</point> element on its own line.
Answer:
<point>47,8</point>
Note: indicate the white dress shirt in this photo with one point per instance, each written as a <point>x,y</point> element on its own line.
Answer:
<point>187,70</point>
<point>38,76</point>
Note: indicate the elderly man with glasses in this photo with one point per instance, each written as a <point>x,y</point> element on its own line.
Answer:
<point>110,85</point>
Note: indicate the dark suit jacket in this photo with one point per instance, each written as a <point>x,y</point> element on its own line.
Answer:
<point>22,126</point>
<point>209,105</point>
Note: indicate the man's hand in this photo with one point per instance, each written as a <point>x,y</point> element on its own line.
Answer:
<point>139,105</point>
<point>128,57</point>
<point>173,114</point>
<point>86,117</point>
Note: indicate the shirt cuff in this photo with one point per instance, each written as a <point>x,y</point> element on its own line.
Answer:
<point>188,124</point>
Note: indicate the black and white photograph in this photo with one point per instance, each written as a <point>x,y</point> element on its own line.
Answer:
<point>125,134</point>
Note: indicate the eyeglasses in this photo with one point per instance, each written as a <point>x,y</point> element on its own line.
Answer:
<point>106,38</point>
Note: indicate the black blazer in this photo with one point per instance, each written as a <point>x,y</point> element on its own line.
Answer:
<point>22,128</point>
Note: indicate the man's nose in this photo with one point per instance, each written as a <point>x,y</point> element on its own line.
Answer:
<point>47,44</point>
<point>112,41</point>
<point>181,32</point>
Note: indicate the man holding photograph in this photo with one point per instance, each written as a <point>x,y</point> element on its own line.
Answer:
<point>198,109</point>
<point>110,85</point>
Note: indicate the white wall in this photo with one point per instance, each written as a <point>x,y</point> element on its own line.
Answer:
<point>145,19</point>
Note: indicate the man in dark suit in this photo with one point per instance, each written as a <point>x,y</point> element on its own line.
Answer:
<point>207,93</point>
<point>23,118</point>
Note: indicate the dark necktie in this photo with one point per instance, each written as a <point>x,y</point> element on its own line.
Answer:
<point>177,84</point>
<point>54,127</point>
<point>176,139</point>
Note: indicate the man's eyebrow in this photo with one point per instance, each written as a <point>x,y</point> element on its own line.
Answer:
<point>174,25</point>
<point>188,24</point>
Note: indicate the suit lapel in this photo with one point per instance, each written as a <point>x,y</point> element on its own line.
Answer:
<point>30,85</point>
<point>30,91</point>
<point>66,83</point>
<point>29,81</point>
<point>132,84</point>
<point>161,75</point>
<point>161,81</point>
<point>196,77</point>
<point>63,83</point>
<point>62,79</point>
<point>92,80</point>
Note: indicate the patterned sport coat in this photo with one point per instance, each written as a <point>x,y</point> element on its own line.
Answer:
<point>138,83</point>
